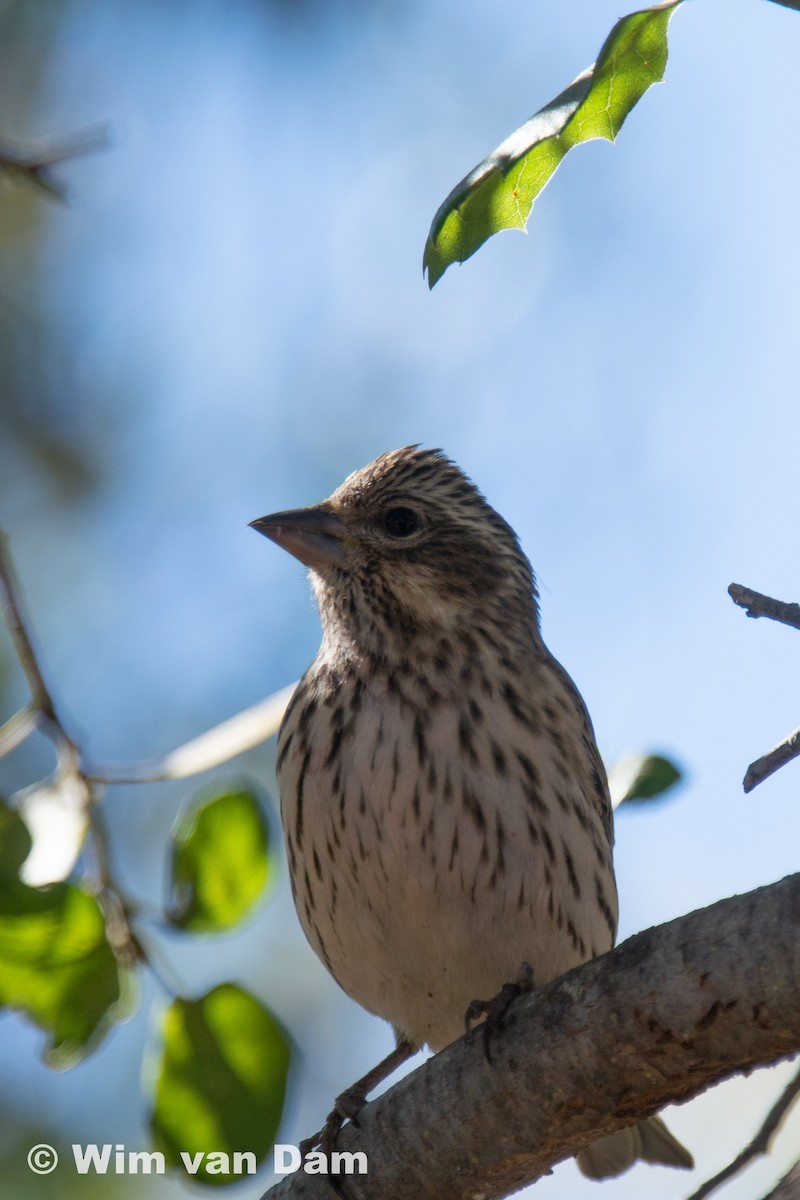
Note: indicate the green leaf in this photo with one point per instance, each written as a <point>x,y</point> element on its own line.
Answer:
<point>499,192</point>
<point>57,966</point>
<point>642,777</point>
<point>15,843</point>
<point>221,1081</point>
<point>219,861</point>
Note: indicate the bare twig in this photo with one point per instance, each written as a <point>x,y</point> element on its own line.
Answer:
<point>73,787</point>
<point>759,605</point>
<point>216,746</point>
<point>212,748</point>
<point>17,728</point>
<point>41,697</point>
<point>69,776</point>
<point>117,910</point>
<point>765,766</point>
<point>761,1142</point>
<point>34,160</point>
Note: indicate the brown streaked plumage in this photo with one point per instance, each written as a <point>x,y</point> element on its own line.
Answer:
<point>445,808</point>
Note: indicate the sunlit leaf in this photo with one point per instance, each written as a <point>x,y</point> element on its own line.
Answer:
<point>642,777</point>
<point>220,1081</point>
<point>57,967</point>
<point>499,192</point>
<point>219,861</point>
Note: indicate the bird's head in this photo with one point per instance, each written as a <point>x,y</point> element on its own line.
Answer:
<point>409,543</point>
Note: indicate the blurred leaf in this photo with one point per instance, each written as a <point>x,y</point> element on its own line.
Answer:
<point>499,192</point>
<point>642,777</point>
<point>57,966</point>
<point>15,844</point>
<point>221,1080</point>
<point>219,862</point>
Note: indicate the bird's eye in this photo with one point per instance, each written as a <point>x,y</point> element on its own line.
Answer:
<point>401,522</point>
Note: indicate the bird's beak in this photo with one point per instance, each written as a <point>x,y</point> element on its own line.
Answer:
<point>314,535</point>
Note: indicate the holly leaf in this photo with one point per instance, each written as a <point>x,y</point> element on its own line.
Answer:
<point>499,192</point>
<point>219,861</point>
<point>220,1083</point>
<point>641,777</point>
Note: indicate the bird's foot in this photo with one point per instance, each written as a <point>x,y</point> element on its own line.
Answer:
<point>346,1108</point>
<point>350,1103</point>
<point>495,1010</point>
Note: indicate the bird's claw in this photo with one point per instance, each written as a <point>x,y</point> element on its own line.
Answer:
<point>350,1104</point>
<point>495,1009</point>
<point>346,1108</point>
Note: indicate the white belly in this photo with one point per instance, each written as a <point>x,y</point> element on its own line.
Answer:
<point>424,876</point>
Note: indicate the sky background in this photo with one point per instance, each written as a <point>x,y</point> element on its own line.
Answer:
<point>229,316</point>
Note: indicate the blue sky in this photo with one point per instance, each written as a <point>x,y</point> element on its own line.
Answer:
<point>237,282</point>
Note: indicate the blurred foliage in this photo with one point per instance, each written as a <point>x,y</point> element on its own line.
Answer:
<point>219,861</point>
<point>221,1080</point>
<point>65,1183</point>
<point>66,962</point>
<point>15,845</point>
<point>56,965</point>
<point>639,778</point>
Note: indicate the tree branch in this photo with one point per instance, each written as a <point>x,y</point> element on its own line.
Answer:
<point>654,1022</point>
<point>759,605</point>
<point>760,1144</point>
<point>770,762</point>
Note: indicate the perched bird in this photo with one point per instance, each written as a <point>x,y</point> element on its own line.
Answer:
<point>445,808</point>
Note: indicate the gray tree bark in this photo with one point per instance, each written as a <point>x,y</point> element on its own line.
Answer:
<point>656,1021</point>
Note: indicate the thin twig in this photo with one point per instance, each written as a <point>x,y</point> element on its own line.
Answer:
<point>210,749</point>
<point>12,612</point>
<point>761,1142</point>
<point>34,160</point>
<point>17,728</point>
<point>116,911</point>
<point>765,766</point>
<point>759,605</point>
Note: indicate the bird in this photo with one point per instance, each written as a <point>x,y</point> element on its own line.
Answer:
<point>446,813</point>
